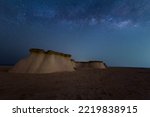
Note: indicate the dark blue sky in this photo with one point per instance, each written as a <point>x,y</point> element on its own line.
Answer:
<point>115,31</point>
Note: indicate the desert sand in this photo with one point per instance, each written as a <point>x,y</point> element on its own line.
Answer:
<point>87,84</point>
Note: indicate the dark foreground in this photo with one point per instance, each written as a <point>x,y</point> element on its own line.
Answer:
<point>113,83</point>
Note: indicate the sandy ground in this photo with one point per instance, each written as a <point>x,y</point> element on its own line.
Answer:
<point>113,83</point>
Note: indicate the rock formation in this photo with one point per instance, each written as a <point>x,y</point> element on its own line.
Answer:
<point>50,61</point>
<point>40,61</point>
<point>91,65</point>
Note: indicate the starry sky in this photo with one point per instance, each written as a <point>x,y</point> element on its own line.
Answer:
<point>114,31</point>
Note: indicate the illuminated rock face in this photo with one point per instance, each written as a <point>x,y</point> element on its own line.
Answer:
<point>91,65</point>
<point>40,61</point>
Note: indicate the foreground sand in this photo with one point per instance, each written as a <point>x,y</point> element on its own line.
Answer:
<point>113,83</point>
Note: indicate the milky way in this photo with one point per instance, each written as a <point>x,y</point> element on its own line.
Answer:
<point>116,31</point>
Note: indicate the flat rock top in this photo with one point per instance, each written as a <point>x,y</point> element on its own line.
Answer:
<point>35,50</point>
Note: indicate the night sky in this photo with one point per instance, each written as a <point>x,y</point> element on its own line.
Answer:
<point>114,31</point>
